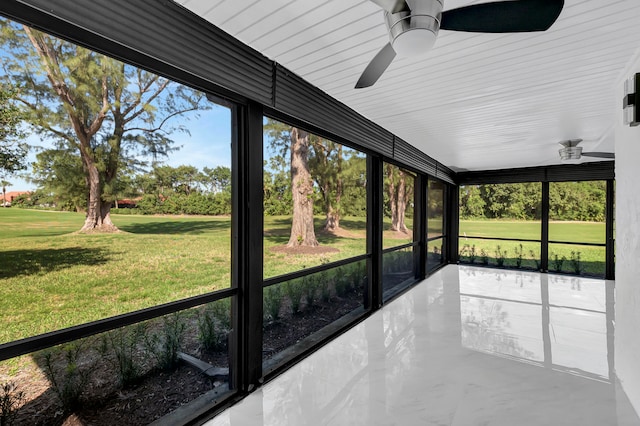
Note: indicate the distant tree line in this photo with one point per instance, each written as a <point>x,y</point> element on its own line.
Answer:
<point>163,190</point>
<point>583,201</point>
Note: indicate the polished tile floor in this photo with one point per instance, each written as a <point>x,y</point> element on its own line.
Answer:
<point>468,346</point>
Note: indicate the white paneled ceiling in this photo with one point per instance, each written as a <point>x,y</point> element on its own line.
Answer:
<point>475,101</point>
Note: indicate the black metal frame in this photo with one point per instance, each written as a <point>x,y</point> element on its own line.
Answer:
<point>248,214</point>
<point>549,174</point>
<point>610,268</point>
<point>47,340</point>
<point>375,186</point>
<point>210,60</point>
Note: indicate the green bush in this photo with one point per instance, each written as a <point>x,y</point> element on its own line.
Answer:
<point>165,343</point>
<point>214,325</point>
<point>68,376</point>
<point>272,302</point>
<point>10,400</point>
<point>123,345</point>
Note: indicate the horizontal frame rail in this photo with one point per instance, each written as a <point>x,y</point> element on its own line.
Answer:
<point>499,239</point>
<point>315,269</point>
<point>574,243</point>
<point>403,246</point>
<point>53,338</point>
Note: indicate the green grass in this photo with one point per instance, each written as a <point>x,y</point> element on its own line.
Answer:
<point>583,232</point>
<point>592,259</point>
<point>52,277</point>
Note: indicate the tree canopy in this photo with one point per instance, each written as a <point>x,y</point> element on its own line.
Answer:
<point>105,112</point>
<point>584,201</point>
<point>13,150</point>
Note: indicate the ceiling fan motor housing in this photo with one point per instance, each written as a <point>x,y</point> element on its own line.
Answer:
<point>414,32</point>
<point>570,153</point>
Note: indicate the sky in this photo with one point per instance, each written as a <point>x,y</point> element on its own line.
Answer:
<point>207,145</point>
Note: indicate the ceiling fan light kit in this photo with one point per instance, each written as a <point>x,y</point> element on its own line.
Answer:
<point>413,33</point>
<point>631,101</point>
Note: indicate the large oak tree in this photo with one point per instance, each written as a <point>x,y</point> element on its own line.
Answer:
<point>106,111</point>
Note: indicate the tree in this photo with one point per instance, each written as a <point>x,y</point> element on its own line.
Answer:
<point>398,194</point>
<point>277,188</point>
<point>302,230</point>
<point>326,161</point>
<point>282,139</point>
<point>4,184</point>
<point>471,202</point>
<point>58,172</point>
<point>13,151</point>
<point>217,179</point>
<point>104,110</point>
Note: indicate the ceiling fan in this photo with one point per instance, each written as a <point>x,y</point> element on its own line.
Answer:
<point>413,25</point>
<point>571,151</point>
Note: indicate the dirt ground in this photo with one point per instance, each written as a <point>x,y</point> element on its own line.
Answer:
<point>157,393</point>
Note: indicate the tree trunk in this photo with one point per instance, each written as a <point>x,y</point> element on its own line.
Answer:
<point>302,231</point>
<point>98,211</point>
<point>402,203</point>
<point>391,189</point>
<point>333,213</point>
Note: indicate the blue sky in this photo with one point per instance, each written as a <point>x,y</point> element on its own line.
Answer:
<point>208,145</point>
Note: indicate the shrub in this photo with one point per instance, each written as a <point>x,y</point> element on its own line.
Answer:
<point>68,378</point>
<point>576,264</point>
<point>311,285</point>
<point>123,344</point>
<point>519,256</point>
<point>272,302</point>
<point>10,400</point>
<point>214,325</point>
<point>294,290</point>
<point>500,255</point>
<point>558,262</point>
<point>536,259</point>
<point>165,344</point>
<point>473,254</point>
<point>484,257</point>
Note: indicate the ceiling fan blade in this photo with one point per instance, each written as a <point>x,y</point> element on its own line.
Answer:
<point>393,6</point>
<point>376,67</point>
<point>513,16</point>
<point>599,154</point>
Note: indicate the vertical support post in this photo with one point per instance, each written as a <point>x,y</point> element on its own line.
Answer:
<point>452,218</point>
<point>420,225</point>
<point>544,237</point>
<point>375,183</point>
<point>610,266</point>
<point>247,225</point>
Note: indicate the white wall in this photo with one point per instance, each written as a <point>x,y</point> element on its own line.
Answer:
<point>627,333</point>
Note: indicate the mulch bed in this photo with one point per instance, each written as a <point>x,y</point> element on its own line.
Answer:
<point>159,393</point>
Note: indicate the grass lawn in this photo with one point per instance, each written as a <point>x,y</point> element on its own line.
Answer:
<point>52,277</point>
<point>591,261</point>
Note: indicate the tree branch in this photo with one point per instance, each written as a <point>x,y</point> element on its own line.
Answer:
<point>162,123</point>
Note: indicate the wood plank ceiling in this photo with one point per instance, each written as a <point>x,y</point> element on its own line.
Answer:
<point>475,101</point>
